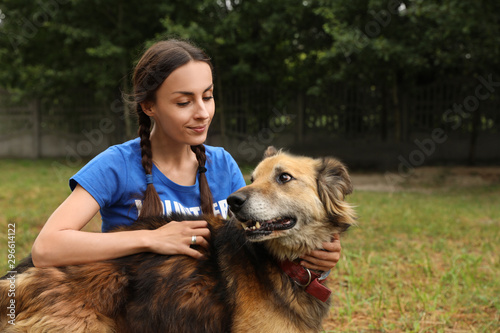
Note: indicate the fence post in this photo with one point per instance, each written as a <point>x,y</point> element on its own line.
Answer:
<point>35,107</point>
<point>397,110</point>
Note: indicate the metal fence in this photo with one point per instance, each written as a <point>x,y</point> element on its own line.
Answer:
<point>464,110</point>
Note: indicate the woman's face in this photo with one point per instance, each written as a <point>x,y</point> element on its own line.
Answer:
<point>184,105</point>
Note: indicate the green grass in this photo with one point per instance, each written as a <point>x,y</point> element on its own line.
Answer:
<point>29,192</point>
<point>420,262</point>
<point>417,261</point>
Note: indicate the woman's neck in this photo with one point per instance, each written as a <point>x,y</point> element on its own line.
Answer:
<point>176,161</point>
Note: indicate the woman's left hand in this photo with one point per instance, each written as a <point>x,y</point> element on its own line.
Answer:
<point>325,259</point>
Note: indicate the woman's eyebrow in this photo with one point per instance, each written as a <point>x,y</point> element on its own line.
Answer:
<point>192,93</point>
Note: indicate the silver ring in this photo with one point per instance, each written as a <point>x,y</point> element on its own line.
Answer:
<point>193,240</point>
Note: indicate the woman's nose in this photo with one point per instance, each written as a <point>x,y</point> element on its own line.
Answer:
<point>202,109</point>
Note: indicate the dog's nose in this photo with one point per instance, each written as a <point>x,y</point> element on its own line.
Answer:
<point>236,201</point>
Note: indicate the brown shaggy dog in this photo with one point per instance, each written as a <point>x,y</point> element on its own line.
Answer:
<point>247,282</point>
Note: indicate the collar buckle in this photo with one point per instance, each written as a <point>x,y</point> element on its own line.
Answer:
<point>308,282</point>
<point>313,286</point>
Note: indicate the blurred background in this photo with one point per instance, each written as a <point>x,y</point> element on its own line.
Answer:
<point>384,85</point>
<point>406,93</point>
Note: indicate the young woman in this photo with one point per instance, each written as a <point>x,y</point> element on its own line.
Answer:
<point>166,169</point>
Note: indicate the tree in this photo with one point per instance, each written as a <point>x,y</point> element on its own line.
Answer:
<point>58,48</point>
<point>395,45</point>
<point>268,45</point>
<point>55,48</point>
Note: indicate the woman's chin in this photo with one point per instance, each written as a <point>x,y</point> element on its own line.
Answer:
<point>198,140</point>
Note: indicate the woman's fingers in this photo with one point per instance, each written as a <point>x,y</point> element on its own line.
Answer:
<point>326,258</point>
<point>177,238</point>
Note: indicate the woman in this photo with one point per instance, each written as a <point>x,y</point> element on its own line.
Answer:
<point>166,169</point>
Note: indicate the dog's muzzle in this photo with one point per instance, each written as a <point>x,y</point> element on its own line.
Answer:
<point>253,225</point>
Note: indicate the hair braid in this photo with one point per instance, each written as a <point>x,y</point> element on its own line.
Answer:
<point>206,200</point>
<point>151,205</point>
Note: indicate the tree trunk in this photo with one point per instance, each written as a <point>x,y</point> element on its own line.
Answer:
<point>36,108</point>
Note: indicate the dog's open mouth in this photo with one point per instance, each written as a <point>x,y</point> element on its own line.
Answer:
<point>254,228</point>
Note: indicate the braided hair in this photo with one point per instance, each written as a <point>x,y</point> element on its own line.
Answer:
<point>156,64</point>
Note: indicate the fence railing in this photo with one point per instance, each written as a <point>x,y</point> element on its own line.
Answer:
<point>464,110</point>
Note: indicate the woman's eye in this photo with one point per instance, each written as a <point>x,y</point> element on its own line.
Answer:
<point>284,178</point>
<point>183,104</point>
<point>207,98</point>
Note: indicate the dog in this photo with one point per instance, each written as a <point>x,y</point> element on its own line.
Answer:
<point>247,281</point>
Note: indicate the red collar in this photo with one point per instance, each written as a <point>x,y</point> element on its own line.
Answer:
<point>307,279</point>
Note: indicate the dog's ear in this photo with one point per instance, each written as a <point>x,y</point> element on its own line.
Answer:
<point>270,151</point>
<point>334,184</point>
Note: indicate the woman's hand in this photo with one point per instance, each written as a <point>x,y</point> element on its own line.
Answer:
<point>325,259</point>
<point>176,238</point>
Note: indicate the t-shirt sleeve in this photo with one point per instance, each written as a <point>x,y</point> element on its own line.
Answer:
<point>103,177</point>
<point>236,176</point>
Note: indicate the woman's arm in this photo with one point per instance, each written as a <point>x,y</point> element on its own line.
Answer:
<point>61,241</point>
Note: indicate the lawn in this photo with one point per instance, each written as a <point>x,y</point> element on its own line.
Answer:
<point>418,261</point>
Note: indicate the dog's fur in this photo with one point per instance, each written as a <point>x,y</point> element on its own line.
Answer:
<point>237,287</point>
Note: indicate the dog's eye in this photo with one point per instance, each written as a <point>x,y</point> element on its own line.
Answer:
<point>284,178</point>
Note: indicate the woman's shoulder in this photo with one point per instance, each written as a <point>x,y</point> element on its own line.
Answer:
<point>111,170</point>
<point>216,152</point>
<point>115,157</point>
<point>126,148</point>
<point>126,151</point>
<point>218,156</point>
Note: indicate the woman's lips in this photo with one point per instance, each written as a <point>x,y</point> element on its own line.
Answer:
<point>199,129</point>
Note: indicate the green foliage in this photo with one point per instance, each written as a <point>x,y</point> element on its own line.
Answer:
<point>272,42</point>
<point>53,48</point>
<point>374,40</point>
<point>56,47</point>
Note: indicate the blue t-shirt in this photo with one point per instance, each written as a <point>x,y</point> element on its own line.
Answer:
<point>117,181</point>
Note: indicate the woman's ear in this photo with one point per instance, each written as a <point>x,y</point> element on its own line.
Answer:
<point>147,108</point>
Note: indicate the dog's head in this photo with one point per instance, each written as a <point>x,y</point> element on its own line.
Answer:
<point>294,203</point>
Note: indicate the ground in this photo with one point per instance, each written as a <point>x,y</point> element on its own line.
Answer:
<point>426,178</point>
<point>416,281</point>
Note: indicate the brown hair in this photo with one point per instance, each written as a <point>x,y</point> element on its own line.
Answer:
<point>155,65</point>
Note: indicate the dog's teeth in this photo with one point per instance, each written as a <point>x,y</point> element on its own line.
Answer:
<point>257,225</point>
